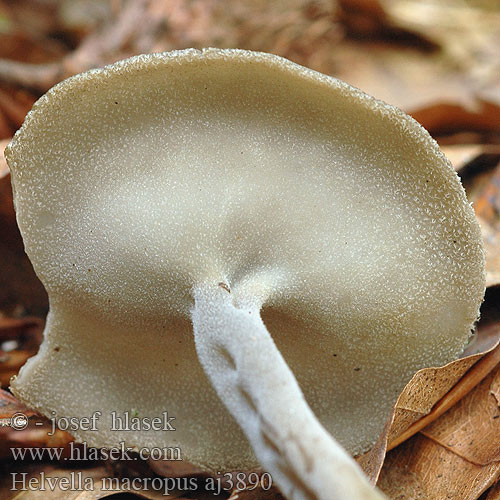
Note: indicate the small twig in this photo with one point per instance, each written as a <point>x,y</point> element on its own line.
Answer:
<point>470,380</point>
<point>97,49</point>
<point>38,76</point>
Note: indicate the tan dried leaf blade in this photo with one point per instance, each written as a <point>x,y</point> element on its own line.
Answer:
<point>428,395</point>
<point>457,456</point>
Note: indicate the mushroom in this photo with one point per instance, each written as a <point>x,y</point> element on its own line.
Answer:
<point>315,240</point>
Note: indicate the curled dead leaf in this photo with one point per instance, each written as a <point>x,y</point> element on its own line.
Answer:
<point>456,455</point>
<point>468,382</point>
<point>429,394</point>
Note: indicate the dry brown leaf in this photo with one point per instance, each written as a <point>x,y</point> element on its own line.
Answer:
<point>487,336</point>
<point>428,395</point>
<point>435,93</point>
<point>367,19</point>
<point>372,461</point>
<point>430,384</point>
<point>468,32</point>
<point>471,429</point>
<point>448,116</point>
<point>456,88</point>
<point>424,390</point>
<point>468,382</point>
<point>458,454</point>
<point>421,469</point>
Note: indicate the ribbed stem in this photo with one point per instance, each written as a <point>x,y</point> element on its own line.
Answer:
<point>256,385</point>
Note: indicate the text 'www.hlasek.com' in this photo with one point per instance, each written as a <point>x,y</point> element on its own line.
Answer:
<point>93,479</point>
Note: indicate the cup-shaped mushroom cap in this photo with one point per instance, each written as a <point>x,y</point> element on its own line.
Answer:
<point>137,182</point>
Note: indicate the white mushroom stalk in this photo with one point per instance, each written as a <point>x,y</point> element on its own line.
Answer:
<point>315,239</point>
<point>254,382</point>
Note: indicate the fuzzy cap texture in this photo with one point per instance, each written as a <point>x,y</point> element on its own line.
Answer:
<point>136,182</point>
